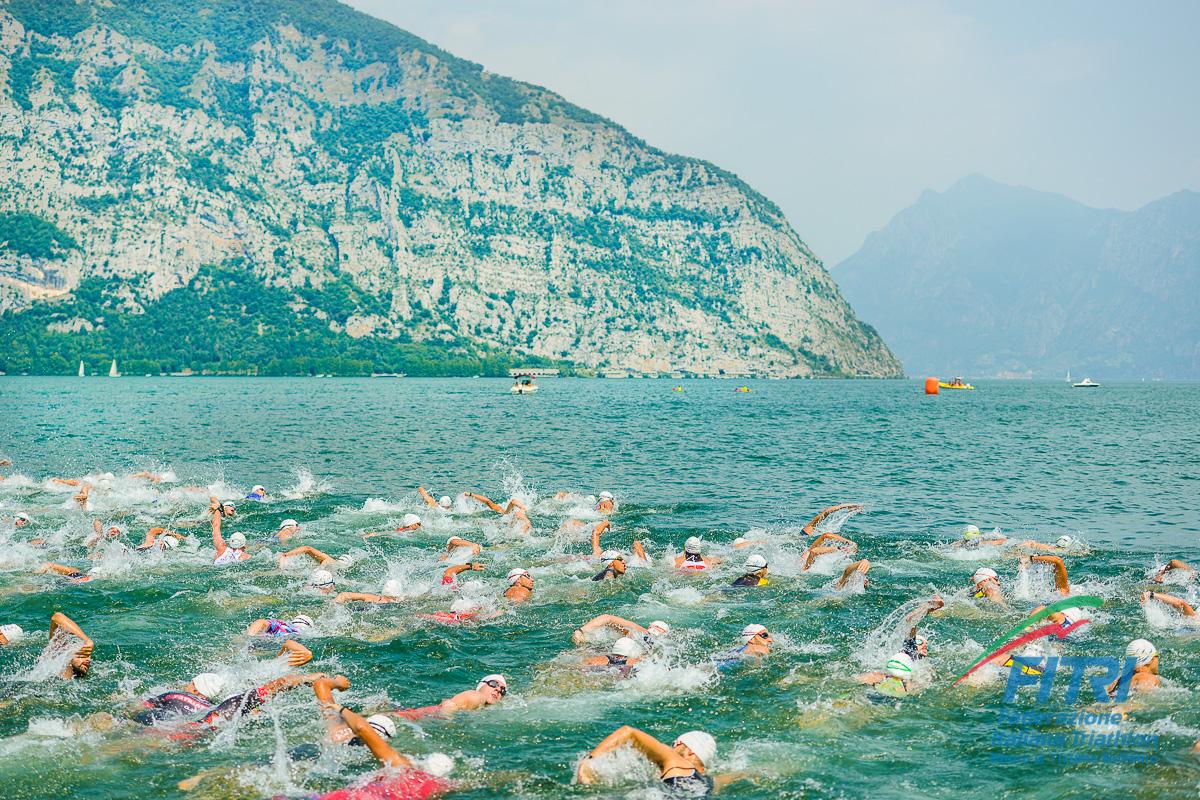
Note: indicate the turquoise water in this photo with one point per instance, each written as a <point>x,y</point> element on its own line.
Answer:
<point>1116,467</point>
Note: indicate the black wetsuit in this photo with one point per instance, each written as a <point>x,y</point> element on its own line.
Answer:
<point>694,785</point>
<point>604,573</point>
<point>172,704</point>
<point>749,579</point>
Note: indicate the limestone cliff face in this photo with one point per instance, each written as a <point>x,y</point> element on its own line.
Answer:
<point>311,145</point>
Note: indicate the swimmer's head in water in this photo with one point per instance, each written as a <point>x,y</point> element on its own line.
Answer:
<point>410,521</point>
<point>439,765</point>
<point>739,541</point>
<point>383,724</point>
<point>257,493</point>
<point>345,560</point>
<point>626,648</point>
<point>658,628</point>
<point>697,746</point>
<point>917,646</point>
<point>606,496</point>
<point>114,531</point>
<point>984,574</point>
<point>208,684</point>
<point>228,509</point>
<point>1065,542</point>
<point>464,605</point>
<point>971,532</point>
<point>900,665</point>
<point>237,541</point>
<point>289,523</point>
<point>517,574</point>
<point>692,546</point>
<point>80,666</point>
<point>393,588</point>
<point>445,502</point>
<point>755,563</point>
<point>301,621</point>
<point>753,630</point>
<point>13,633</point>
<point>494,686</point>
<point>20,519</point>
<point>1142,650</point>
<point>321,579</point>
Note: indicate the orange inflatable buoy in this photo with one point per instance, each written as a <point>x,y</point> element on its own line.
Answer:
<point>931,386</point>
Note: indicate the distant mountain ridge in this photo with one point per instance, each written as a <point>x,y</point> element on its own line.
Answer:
<point>290,185</point>
<point>987,279</point>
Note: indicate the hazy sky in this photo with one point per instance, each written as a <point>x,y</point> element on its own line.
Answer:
<point>842,112</point>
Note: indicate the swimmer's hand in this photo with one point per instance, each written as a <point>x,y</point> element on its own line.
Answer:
<point>298,654</point>
<point>585,773</point>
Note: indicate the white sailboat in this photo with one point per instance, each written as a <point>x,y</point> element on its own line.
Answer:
<point>81,372</point>
<point>112,371</point>
<point>1086,383</point>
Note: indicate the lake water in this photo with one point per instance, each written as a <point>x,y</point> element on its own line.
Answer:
<point>1116,467</point>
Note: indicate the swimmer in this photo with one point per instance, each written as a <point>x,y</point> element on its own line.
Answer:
<point>81,499</point>
<point>625,653</point>
<point>614,566</point>
<point>606,504</point>
<point>250,700</point>
<point>754,640</point>
<point>811,527</point>
<point>62,627</point>
<point>520,585</point>
<point>277,628</point>
<point>323,559</point>
<point>287,529</point>
<point>1169,600</point>
<point>449,578</point>
<point>973,537</point>
<point>741,542</point>
<point>392,590</point>
<point>11,634</point>
<point>916,646</point>
<point>229,552</point>
<point>336,729</point>
<point>690,559</point>
<point>150,476</point>
<point>818,548</point>
<point>1060,571</point>
<point>455,542</point>
<point>461,610</point>
<point>444,502</point>
<point>1174,565</point>
<point>70,573</point>
<point>987,584</point>
<point>895,680</point>
<point>161,539</point>
<point>682,767</point>
<point>400,780</point>
<point>113,531</point>
<point>656,628</point>
<point>408,524</point>
<point>226,507</point>
<point>257,493</point>
<point>1145,671</point>
<point>756,572</point>
<point>20,519</point>
<point>199,695</point>
<point>321,580</point>
<point>597,552</point>
<point>490,689</point>
<point>859,567</point>
<point>518,520</point>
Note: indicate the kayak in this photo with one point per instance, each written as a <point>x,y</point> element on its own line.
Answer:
<point>954,385</point>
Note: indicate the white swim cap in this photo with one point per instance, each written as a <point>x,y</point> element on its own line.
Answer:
<point>301,621</point>
<point>750,631</point>
<point>21,515</point>
<point>1142,650</point>
<point>739,540</point>
<point>12,632</point>
<point>1065,541</point>
<point>700,743</point>
<point>984,573</point>
<point>497,678</point>
<point>227,504</point>
<point>900,665</point>
<point>289,523</point>
<point>463,605</point>
<point>516,574</point>
<point>626,647</point>
<point>611,555</point>
<point>409,519</point>
<point>755,562</point>
<point>658,628</point>
<point>393,588</point>
<point>320,578</point>
<point>692,546</point>
<point>439,765</point>
<point>208,684</point>
<point>606,495</point>
<point>167,542</point>
<point>237,540</point>
<point>444,501</point>
<point>345,559</point>
<point>120,529</point>
<point>971,531</point>
<point>259,490</point>
<point>383,724</point>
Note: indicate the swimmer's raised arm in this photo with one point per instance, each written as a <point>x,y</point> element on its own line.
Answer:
<point>49,567</point>
<point>457,541</point>
<point>99,529</point>
<point>662,755</point>
<point>603,621</point>
<point>858,567</point>
<point>214,510</point>
<point>597,531</point>
<point>312,552</point>
<point>427,497</point>
<point>65,481</point>
<point>821,515</point>
<point>450,572</point>
<point>1174,602</point>
<point>150,476</point>
<point>1060,571</point>
<point>81,662</point>
<point>298,654</point>
<point>932,604</point>
<point>514,503</point>
<point>493,506</point>
<point>374,742</point>
<point>362,597</point>
<point>82,497</point>
<point>640,551</point>
<point>1173,564</point>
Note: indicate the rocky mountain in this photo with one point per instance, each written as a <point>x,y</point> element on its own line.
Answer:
<point>986,279</point>
<point>277,185</point>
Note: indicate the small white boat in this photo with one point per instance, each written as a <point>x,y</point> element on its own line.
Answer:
<point>112,371</point>
<point>523,384</point>
<point>1086,383</point>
